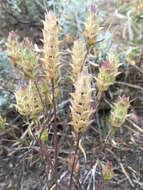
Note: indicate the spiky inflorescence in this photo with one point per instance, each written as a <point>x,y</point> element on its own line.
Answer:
<point>81,102</point>
<point>29,60</point>
<point>78,58</point>
<point>23,55</point>
<point>92,29</point>
<point>120,112</point>
<point>107,73</point>
<point>51,46</point>
<point>14,49</point>
<point>28,101</point>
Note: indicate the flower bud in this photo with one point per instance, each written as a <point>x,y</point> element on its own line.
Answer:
<point>107,73</point>
<point>107,171</point>
<point>43,136</point>
<point>120,112</point>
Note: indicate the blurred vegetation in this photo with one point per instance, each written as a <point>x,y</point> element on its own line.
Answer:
<point>132,15</point>
<point>21,11</point>
<point>7,82</point>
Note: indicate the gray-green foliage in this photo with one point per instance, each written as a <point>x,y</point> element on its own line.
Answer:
<point>132,19</point>
<point>24,11</point>
<point>6,78</point>
<point>71,14</point>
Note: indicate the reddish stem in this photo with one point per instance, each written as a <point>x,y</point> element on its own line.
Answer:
<point>74,161</point>
<point>55,134</point>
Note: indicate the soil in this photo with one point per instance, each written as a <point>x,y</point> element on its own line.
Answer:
<point>21,167</point>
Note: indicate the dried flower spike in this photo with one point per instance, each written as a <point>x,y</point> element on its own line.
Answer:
<point>81,102</point>
<point>120,112</point>
<point>78,58</point>
<point>14,49</point>
<point>107,73</point>
<point>51,46</point>
<point>28,101</point>
<point>92,29</point>
<point>29,60</point>
<point>23,55</point>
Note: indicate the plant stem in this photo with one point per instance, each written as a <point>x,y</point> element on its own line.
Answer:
<point>106,139</point>
<point>73,164</point>
<point>55,134</point>
<point>102,148</point>
<point>40,96</point>
<point>99,96</point>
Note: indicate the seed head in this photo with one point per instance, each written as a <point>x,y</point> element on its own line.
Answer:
<point>92,29</point>
<point>28,101</point>
<point>14,49</point>
<point>78,56</point>
<point>81,102</point>
<point>51,46</point>
<point>22,54</point>
<point>29,60</point>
